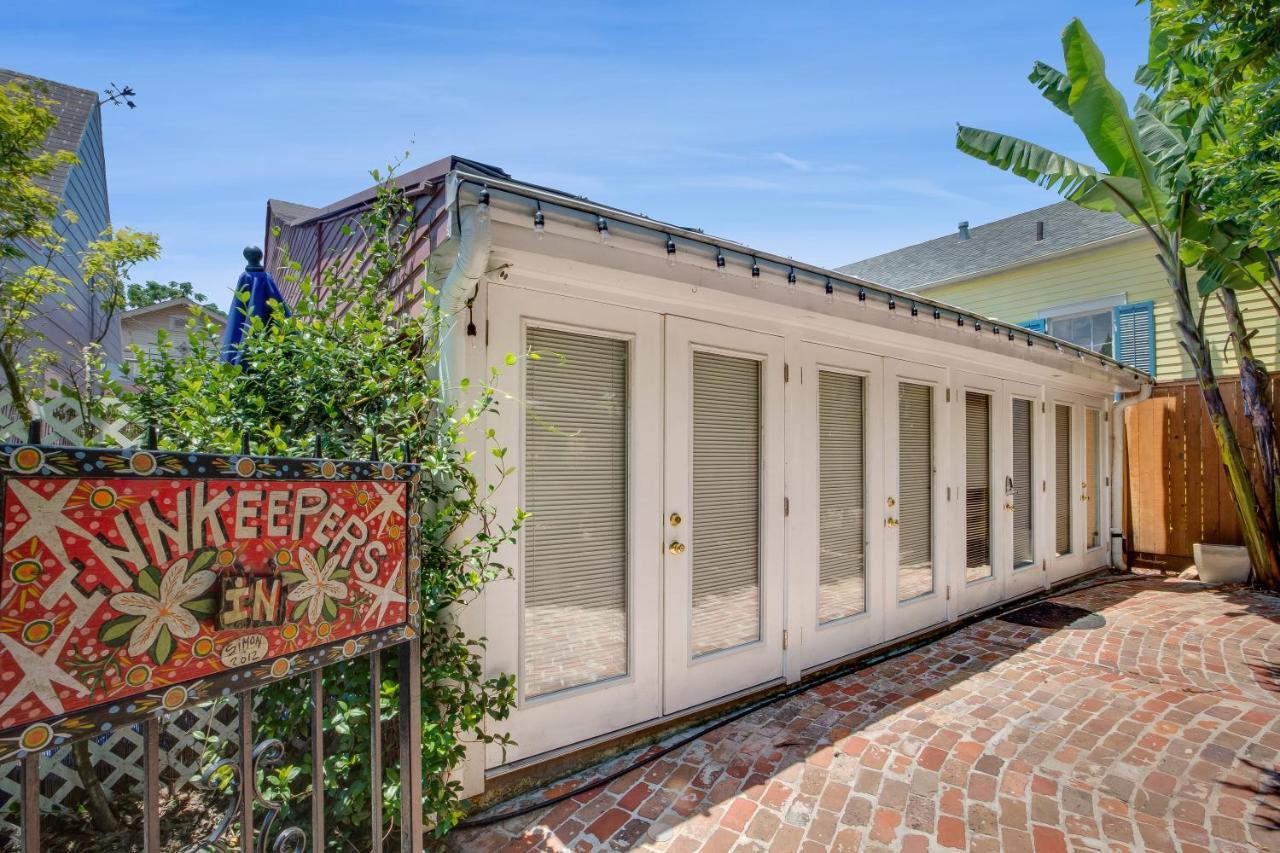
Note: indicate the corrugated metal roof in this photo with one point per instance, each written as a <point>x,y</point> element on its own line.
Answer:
<point>72,107</point>
<point>992,246</point>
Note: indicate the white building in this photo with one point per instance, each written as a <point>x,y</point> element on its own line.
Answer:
<point>141,326</point>
<point>740,468</point>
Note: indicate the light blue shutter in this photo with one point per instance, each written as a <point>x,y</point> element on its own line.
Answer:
<point>1135,335</point>
<point>1033,325</point>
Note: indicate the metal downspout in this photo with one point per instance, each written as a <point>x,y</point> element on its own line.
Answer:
<point>463,280</point>
<point>1119,483</point>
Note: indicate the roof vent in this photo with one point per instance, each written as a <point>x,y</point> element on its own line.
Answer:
<point>1039,230</point>
<point>964,230</point>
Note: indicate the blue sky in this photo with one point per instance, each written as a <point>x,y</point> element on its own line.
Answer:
<point>825,133</point>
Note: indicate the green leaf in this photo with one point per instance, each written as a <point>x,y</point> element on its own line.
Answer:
<point>1053,84</point>
<point>203,606</point>
<point>1099,110</point>
<point>202,560</point>
<point>162,648</point>
<point>116,631</point>
<point>147,581</point>
<point>330,609</point>
<point>1037,164</point>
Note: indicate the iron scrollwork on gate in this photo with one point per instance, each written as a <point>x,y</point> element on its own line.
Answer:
<point>187,577</point>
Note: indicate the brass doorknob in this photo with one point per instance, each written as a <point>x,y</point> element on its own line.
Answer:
<point>1008,507</point>
<point>675,548</point>
<point>675,519</point>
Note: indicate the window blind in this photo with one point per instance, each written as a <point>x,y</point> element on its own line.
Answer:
<point>725,548</point>
<point>842,489</point>
<point>1062,478</point>
<point>977,493</point>
<point>1092,477</point>
<point>1023,496</point>
<point>1134,333</point>
<point>915,490</point>
<point>575,487</point>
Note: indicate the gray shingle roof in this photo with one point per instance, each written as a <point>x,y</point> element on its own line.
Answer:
<point>992,246</point>
<point>72,107</point>
<point>290,211</point>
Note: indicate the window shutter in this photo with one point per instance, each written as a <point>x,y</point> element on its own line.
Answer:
<point>575,487</point>
<point>1062,478</point>
<point>726,502</point>
<point>1023,488</point>
<point>977,491</point>
<point>915,490</point>
<point>1033,325</point>
<point>842,489</point>
<point>1135,335</point>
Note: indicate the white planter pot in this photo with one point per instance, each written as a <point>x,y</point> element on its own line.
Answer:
<point>1221,563</point>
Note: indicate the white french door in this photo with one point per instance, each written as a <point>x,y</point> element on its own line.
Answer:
<point>581,420</point>
<point>723,560</point>
<point>1025,495</point>
<point>835,431</point>
<point>996,446</point>
<point>913,512</point>
<point>980,449</point>
<point>1064,540</point>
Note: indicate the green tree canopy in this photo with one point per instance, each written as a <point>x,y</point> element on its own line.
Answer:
<point>155,292</point>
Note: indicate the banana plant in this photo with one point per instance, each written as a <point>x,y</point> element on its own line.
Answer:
<point>1145,176</point>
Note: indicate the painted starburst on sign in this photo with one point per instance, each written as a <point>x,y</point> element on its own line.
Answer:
<point>45,519</point>
<point>40,673</point>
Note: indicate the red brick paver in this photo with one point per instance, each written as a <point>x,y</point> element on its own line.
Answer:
<point>1157,731</point>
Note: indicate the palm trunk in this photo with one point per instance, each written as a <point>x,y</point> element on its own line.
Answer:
<point>1255,391</point>
<point>1259,538</point>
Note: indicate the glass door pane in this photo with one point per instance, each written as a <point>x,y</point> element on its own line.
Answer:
<point>1023,496</point>
<point>1093,475</point>
<point>725,547</point>
<point>977,492</point>
<point>842,582</point>
<point>575,541</point>
<point>915,490</point>
<point>1062,478</point>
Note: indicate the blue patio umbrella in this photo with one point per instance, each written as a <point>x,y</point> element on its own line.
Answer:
<point>257,283</point>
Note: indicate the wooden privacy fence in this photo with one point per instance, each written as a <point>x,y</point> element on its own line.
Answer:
<point>1178,493</point>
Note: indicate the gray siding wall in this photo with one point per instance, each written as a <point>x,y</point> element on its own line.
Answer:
<point>86,195</point>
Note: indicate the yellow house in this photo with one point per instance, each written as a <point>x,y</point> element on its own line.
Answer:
<point>1087,277</point>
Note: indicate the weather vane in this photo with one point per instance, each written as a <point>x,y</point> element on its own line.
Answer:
<point>119,95</point>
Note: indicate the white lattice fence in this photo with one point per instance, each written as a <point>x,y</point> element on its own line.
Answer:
<point>117,755</point>
<point>65,423</point>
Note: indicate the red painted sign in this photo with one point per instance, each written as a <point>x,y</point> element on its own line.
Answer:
<point>115,586</point>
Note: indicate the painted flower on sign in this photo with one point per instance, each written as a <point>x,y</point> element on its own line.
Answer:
<point>318,586</point>
<point>162,608</point>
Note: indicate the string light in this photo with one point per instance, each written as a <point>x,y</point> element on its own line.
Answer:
<point>791,277</point>
<point>862,294</point>
<point>755,271</point>
<point>831,291</point>
<point>602,228</point>
<point>671,251</point>
<point>893,303</point>
<point>539,222</point>
<point>977,325</point>
<point>915,310</point>
<point>937,313</point>
<point>720,261</point>
<point>482,206</point>
<point>960,320</point>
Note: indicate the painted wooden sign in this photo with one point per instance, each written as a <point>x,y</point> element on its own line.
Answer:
<point>125,572</point>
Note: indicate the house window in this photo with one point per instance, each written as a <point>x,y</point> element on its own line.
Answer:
<point>1112,327</point>
<point>1093,330</point>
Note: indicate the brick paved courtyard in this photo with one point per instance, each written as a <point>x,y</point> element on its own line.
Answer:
<point>1159,730</point>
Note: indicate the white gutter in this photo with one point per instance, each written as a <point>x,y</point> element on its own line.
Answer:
<point>463,280</point>
<point>1119,482</point>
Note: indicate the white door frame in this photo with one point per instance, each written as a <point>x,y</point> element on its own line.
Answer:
<point>984,591</point>
<point>690,681</point>
<point>904,617</point>
<point>1034,575</point>
<point>1062,566</point>
<point>538,724</point>
<point>813,644</point>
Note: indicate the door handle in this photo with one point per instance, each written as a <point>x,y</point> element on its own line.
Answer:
<point>675,519</point>
<point>891,522</point>
<point>675,547</point>
<point>1008,507</point>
